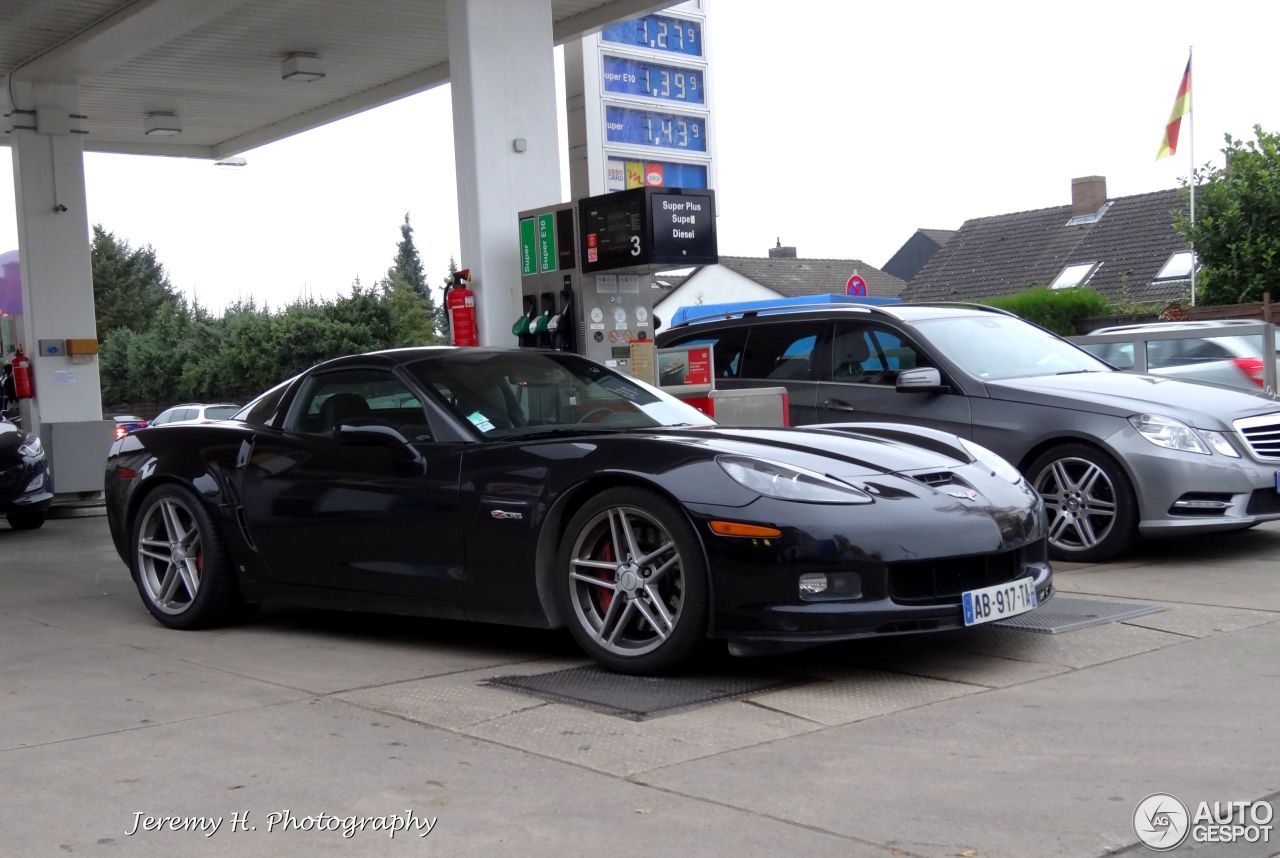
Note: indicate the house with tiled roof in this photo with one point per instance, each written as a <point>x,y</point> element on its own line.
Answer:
<point>781,274</point>
<point>1126,248</point>
<point>916,251</point>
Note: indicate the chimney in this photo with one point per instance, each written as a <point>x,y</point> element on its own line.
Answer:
<point>780,252</point>
<point>1088,195</point>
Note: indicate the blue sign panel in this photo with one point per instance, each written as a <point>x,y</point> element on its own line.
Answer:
<point>647,128</point>
<point>636,77</point>
<point>659,32</point>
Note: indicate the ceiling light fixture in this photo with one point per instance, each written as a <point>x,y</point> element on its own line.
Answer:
<point>233,161</point>
<point>301,67</point>
<point>163,125</point>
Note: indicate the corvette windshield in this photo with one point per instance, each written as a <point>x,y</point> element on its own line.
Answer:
<point>518,394</point>
<point>994,347</point>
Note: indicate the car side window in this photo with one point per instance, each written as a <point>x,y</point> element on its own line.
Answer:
<point>358,397</point>
<point>163,417</point>
<point>782,352</point>
<point>867,353</point>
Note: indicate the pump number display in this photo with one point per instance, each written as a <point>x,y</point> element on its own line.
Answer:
<point>988,604</point>
<point>628,126</point>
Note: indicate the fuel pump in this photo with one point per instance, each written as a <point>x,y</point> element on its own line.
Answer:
<point>587,270</point>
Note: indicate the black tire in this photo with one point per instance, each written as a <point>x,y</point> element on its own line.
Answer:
<point>660,619</point>
<point>1090,502</point>
<point>26,520</point>
<point>217,597</point>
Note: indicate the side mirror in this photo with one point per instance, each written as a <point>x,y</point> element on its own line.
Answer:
<point>924,379</point>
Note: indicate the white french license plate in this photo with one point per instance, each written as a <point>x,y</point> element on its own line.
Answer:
<point>999,602</point>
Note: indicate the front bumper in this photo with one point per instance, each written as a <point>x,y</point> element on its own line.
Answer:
<point>25,486</point>
<point>903,567</point>
<point>1242,491</point>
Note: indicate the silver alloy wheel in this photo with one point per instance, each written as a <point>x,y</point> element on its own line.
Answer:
<point>1080,501</point>
<point>170,558</point>
<point>627,585</point>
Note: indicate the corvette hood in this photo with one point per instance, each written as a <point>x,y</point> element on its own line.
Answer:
<point>842,453</point>
<point>1120,394</point>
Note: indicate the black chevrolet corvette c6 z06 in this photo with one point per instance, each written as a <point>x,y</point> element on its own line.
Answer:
<point>542,489</point>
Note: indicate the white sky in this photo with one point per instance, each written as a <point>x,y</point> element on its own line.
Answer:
<point>840,127</point>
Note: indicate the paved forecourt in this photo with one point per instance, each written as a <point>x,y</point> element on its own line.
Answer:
<point>358,734</point>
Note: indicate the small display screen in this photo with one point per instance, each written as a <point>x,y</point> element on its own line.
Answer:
<point>651,80</point>
<point>613,234</point>
<point>659,32</point>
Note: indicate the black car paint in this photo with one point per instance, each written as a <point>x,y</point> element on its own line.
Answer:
<point>286,504</point>
<point>17,469</point>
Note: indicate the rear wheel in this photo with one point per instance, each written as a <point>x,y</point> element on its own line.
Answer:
<point>634,582</point>
<point>1091,506</point>
<point>179,563</point>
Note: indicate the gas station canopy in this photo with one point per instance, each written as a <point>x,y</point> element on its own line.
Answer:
<point>214,70</point>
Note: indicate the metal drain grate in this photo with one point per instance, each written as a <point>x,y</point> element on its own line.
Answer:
<point>639,697</point>
<point>1061,614</point>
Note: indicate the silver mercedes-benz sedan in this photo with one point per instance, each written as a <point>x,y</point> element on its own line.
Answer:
<point>1114,454</point>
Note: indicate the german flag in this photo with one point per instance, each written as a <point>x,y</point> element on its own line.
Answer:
<point>1181,107</point>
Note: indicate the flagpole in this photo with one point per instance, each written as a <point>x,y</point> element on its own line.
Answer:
<point>1191,148</point>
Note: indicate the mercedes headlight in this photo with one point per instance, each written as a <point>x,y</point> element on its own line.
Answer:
<point>1218,441</point>
<point>1168,433</point>
<point>989,459</point>
<point>31,447</point>
<point>786,482</point>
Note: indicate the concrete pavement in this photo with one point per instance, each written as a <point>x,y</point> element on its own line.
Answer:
<point>989,742</point>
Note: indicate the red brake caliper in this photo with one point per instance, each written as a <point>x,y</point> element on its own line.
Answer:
<point>606,596</point>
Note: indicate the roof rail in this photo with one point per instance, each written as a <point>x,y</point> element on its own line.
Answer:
<point>964,305</point>
<point>716,312</point>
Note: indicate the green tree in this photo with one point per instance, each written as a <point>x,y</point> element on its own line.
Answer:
<point>408,267</point>
<point>129,284</point>
<point>413,323</point>
<point>1237,230</point>
<point>442,311</point>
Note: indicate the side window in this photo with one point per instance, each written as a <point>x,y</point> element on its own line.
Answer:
<point>163,417</point>
<point>186,414</point>
<point>864,353</point>
<point>726,349</point>
<point>358,397</point>
<point>782,352</point>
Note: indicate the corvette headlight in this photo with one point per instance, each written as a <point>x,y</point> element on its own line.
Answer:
<point>786,482</point>
<point>1168,433</point>
<point>1218,441</point>
<point>989,459</point>
<point>31,447</point>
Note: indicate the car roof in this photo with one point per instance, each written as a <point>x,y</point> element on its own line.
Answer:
<point>901,312</point>
<point>1148,327</point>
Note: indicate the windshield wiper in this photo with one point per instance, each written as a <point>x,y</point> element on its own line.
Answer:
<point>1076,371</point>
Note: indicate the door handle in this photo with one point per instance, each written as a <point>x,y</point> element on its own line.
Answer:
<point>837,405</point>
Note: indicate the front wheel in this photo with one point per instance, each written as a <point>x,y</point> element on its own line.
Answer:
<point>633,582</point>
<point>1090,503</point>
<point>26,520</point>
<point>179,563</point>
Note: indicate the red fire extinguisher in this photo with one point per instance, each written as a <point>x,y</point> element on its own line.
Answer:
<point>23,385</point>
<point>462,310</point>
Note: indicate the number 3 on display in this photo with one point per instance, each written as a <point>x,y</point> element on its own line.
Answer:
<point>635,245</point>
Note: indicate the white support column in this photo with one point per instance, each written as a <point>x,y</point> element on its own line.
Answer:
<point>502,72</point>
<point>53,244</point>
